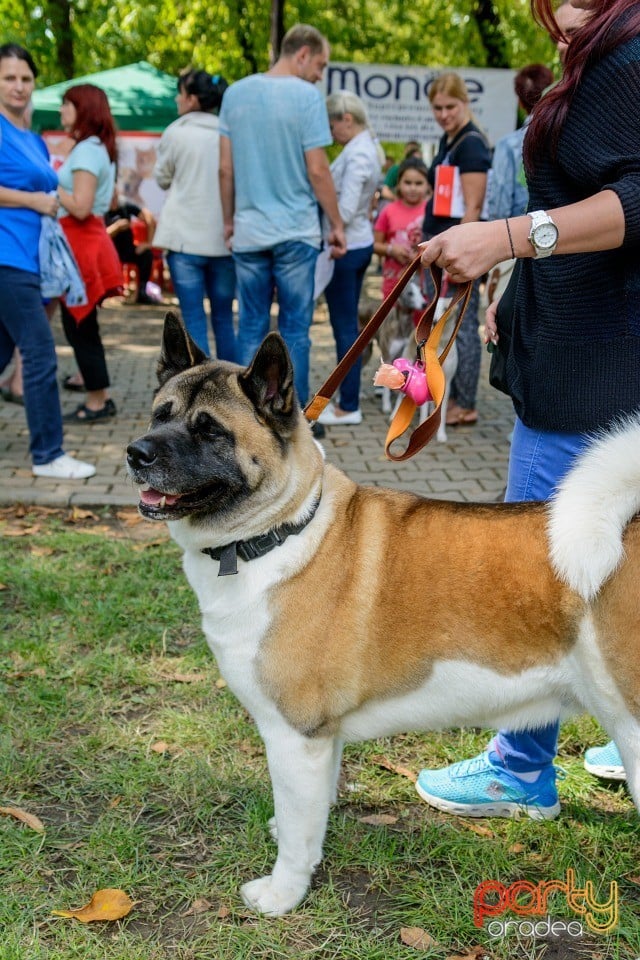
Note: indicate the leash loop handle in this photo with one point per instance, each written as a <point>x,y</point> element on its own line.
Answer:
<point>427,335</point>
<point>318,402</point>
<point>433,361</point>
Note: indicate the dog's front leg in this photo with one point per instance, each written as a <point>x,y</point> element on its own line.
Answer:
<point>303,775</point>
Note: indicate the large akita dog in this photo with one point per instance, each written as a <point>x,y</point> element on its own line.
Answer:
<point>326,634</point>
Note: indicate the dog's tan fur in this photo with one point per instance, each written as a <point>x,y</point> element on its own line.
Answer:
<point>358,641</point>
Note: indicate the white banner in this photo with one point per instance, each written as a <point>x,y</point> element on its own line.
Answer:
<point>398,104</point>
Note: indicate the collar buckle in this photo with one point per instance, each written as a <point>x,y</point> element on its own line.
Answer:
<point>259,546</point>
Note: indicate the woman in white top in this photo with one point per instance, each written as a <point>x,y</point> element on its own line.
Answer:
<point>356,175</point>
<point>190,227</point>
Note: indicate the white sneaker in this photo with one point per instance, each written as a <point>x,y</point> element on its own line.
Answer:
<point>330,418</point>
<point>64,468</point>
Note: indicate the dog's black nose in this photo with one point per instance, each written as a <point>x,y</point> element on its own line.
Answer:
<point>141,453</point>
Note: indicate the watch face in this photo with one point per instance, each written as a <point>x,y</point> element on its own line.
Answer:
<point>545,236</point>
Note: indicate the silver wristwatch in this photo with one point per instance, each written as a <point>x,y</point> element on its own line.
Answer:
<point>543,235</point>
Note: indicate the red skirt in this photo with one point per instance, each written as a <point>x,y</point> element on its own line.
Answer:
<point>97,260</point>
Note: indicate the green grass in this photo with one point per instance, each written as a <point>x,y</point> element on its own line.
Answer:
<point>97,619</point>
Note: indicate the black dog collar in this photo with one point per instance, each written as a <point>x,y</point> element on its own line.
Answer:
<point>256,546</point>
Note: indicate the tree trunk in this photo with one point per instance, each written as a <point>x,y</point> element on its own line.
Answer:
<point>59,14</point>
<point>245,36</point>
<point>277,29</point>
<point>488,23</point>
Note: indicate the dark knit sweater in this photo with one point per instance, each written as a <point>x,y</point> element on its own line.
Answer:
<point>574,362</point>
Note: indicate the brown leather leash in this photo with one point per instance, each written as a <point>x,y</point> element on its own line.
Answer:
<point>428,335</point>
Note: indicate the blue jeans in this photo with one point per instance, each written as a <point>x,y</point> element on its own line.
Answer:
<point>537,463</point>
<point>342,295</point>
<point>24,324</point>
<point>195,277</point>
<point>289,268</point>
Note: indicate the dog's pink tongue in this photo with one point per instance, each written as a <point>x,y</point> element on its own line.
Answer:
<point>152,497</point>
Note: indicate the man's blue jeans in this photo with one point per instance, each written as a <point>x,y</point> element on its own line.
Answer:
<point>24,324</point>
<point>289,269</point>
<point>537,463</point>
<point>195,277</point>
<point>342,295</point>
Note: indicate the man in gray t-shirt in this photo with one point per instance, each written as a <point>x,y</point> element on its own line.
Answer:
<point>273,174</point>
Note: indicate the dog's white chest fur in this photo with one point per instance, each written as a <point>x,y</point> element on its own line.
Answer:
<point>236,616</point>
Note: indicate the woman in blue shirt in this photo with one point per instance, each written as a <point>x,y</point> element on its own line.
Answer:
<point>27,192</point>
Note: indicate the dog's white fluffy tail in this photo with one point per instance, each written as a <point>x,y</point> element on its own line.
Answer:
<point>593,505</point>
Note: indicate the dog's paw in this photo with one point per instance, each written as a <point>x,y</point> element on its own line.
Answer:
<point>273,829</point>
<point>267,897</point>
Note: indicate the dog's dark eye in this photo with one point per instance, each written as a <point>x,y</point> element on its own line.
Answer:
<point>206,426</point>
<point>163,413</point>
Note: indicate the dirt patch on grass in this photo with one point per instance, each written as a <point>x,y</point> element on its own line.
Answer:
<point>20,520</point>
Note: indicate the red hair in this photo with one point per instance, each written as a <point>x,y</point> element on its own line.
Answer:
<point>610,23</point>
<point>93,115</point>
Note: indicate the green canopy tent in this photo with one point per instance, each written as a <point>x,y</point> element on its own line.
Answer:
<point>141,98</point>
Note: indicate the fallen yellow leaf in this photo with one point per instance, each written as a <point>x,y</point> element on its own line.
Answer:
<point>378,819</point>
<point>475,828</point>
<point>104,905</point>
<point>29,818</point>
<point>201,905</point>
<point>130,518</point>
<point>77,514</point>
<point>183,677</point>
<point>417,938</point>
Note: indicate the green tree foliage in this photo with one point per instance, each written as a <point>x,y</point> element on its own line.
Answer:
<point>75,37</point>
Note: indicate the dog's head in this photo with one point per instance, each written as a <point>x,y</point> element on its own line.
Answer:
<point>223,439</point>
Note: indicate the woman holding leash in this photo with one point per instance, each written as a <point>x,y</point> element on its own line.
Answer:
<point>573,362</point>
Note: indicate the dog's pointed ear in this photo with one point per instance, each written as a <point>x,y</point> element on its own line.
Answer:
<point>268,381</point>
<point>178,352</point>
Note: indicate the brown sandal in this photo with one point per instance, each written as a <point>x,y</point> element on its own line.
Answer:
<point>458,416</point>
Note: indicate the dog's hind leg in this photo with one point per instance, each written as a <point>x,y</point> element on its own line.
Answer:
<point>304,776</point>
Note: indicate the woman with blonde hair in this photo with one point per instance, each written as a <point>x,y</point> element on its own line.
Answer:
<point>356,175</point>
<point>464,146</point>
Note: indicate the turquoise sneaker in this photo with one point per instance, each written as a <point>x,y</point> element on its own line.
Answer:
<point>478,788</point>
<point>605,762</point>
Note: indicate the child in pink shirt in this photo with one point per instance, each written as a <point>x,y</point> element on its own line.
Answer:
<point>398,229</point>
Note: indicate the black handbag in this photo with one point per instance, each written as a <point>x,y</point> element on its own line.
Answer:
<point>504,322</point>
